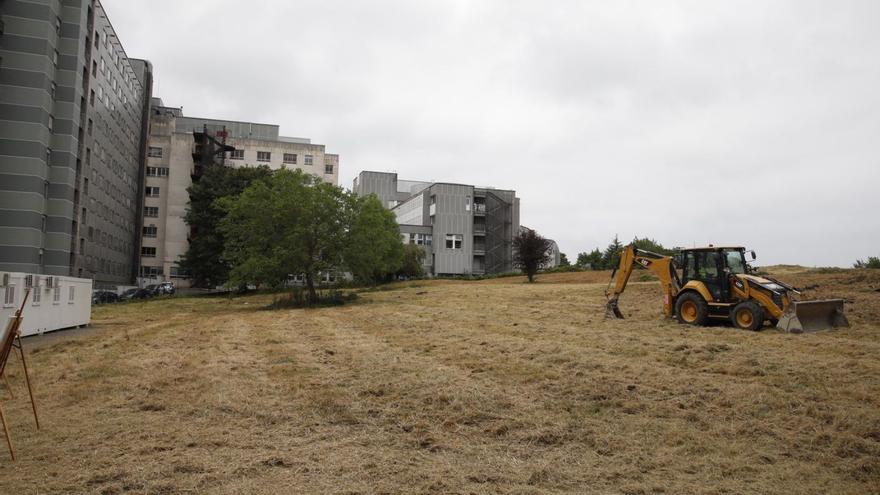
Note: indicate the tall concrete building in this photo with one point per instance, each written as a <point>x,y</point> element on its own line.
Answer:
<point>464,229</point>
<point>175,149</point>
<point>72,142</point>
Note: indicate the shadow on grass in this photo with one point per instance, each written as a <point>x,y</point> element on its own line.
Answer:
<point>298,299</point>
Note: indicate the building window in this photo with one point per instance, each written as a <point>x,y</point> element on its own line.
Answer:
<point>55,58</point>
<point>264,156</point>
<point>150,271</point>
<point>307,160</point>
<point>97,39</point>
<point>151,231</point>
<point>328,168</point>
<point>92,97</point>
<point>152,192</point>
<point>91,126</point>
<point>453,241</point>
<point>35,296</point>
<point>9,297</point>
<point>422,239</point>
<point>53,89</point>
<point>236,155</point>
<point>155,152</point>
<point>71,294</point>
<point>290,158</point>
<point>157,171</point>
<point>151,211</point>
<point>148,252</point>
<point>56,295</point>
<point>51,123</point>
<point>94,68</point>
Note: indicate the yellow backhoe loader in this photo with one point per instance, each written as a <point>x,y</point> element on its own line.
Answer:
<point>715,282</point>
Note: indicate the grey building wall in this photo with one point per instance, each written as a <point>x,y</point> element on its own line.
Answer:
<point>70,138</point>
<point>382,184</point>
<point>450,213</point>
<point>485,218</point>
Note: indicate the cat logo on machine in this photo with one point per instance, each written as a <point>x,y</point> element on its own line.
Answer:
<point>644,262</point>
<point>739,285</point>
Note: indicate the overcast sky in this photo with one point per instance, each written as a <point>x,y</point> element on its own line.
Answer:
<point>690,122</point>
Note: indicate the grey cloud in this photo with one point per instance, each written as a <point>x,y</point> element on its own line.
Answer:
<point>690,121</point>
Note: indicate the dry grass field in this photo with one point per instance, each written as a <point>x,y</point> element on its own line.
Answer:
<point>450,387</point>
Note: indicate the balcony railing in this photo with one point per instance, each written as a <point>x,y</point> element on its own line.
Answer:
<point>479,209</point>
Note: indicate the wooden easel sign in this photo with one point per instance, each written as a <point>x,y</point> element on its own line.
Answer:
<point>10,337</point>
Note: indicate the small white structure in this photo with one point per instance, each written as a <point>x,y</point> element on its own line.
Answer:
<point>54,302</point>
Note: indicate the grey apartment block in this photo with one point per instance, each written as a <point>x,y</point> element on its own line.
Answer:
<point>72,133</point>
<point>464,229</point>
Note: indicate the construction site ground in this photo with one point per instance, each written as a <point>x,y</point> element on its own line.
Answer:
<point>495,386</point>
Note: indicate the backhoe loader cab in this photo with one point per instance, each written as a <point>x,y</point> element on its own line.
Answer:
<point>713,267</point>
<point>716,282</point>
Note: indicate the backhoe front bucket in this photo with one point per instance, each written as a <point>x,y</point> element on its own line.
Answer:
<point>812,316</point>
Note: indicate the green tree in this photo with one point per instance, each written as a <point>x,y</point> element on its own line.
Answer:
<point>592,260</point>
<point>530,252</point>
<point>288,223</point>
<point>204,261</point>
<point>611,255</point>
<point>563,260</point>
<point>413,261</point>
<point>653,246</point>
<point>374,251</point>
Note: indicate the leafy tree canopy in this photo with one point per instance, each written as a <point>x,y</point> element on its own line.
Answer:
<point>530,252</point>
<point>204,260</point>
<point>374,250</point>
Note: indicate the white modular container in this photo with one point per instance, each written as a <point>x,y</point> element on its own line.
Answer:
<point>54,302</point>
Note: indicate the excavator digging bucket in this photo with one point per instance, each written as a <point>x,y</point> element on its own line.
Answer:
<point>611,309</point>
<point>812,316</point>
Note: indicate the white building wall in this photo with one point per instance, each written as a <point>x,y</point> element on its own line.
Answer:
<point>66,303</point>
<point>172,241</point>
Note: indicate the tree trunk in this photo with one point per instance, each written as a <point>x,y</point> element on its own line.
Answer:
<point>310,284</point>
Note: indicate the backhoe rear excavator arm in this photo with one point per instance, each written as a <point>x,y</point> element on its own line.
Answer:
<point>632,257</point>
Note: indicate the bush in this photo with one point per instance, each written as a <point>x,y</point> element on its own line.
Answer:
<point>873,262</point>
<point>299,298</point>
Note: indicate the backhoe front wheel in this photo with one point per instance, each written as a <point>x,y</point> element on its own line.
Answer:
<point>748,315</point>
<point>692,309</point>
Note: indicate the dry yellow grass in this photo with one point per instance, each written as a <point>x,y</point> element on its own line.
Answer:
<point>450,387</point>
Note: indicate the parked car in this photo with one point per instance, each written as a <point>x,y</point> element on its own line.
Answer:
<point>167,288</point>
<point>104,296</point>
<point>134,293</point>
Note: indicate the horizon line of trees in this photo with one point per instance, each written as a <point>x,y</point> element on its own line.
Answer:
<point>609,258</point>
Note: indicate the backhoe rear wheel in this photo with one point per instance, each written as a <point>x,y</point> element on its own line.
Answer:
<point>692,309</point>
<point>748,315</point>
